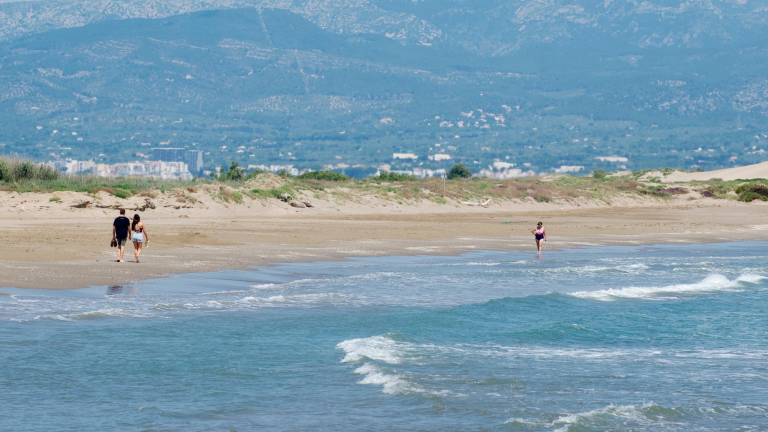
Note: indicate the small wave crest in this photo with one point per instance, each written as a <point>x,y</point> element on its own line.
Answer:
<point>92,315</point>
<point>388,353</point>
<point>635,269</point>
<point>380,348</point>
<point>299,299</point>
<point>482,264</point>
<point>712,283</point>
<point>646,414</point>
<point>391,383</point>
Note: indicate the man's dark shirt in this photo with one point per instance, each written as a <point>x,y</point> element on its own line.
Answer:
<point>121,225</point>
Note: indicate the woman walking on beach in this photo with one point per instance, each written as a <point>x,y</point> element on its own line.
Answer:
<point>139,236</point>
<point>540,235</point>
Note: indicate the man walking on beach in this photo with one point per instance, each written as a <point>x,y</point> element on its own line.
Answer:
<point>120,231</point>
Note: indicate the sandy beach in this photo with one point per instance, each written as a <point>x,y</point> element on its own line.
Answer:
<point>49,243</point>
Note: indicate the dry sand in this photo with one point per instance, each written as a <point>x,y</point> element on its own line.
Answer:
<point>49,244</point>
<point>755,171</point>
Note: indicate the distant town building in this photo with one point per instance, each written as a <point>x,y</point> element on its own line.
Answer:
<point>426,172</point>
<point>569,169</point>
<point>504,170</point>
<point>74,166</point>
<point>193,158</point>
<point>612,159</point>
<point>288,169</point>
<point>152,169</point>
<point>439,157</point>
<point>404,156</point>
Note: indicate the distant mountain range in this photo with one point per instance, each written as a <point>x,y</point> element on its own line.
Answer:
<point>540,84</point>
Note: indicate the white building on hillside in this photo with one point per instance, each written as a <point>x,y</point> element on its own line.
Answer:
<point>404,156</point>
<point>440,157</point>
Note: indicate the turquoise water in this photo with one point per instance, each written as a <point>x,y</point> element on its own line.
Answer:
<point>650,338</point>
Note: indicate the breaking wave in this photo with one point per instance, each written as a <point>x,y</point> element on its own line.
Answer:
<point>712,283</point>
<point>388,352</point>
<point>380,348</point>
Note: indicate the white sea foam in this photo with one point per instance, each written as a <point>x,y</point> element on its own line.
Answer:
<point>23,300</point>
<point>108,312</point>
<point>384,350</point>
<point>418,352</point>
<point>637,268</point>
<point>711,283</point>
<point>380,348</point>
<point>391,383</point>
<point>336,280</point>
<point>624,413</point>
<point>92,314</point>
<point>233,292</point>
<point>377,276</point>
<point>264,286</point>
<point>77,309</point>
<point>632,268</point>
<point>521,421</point>
<point>734,409</point>
<point>537,352</point>
<point>482,264</point>
<point>56,317</point>
<point>751,278</point>
<point>299,299</point>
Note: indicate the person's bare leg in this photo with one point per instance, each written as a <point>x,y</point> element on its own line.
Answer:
<point>137,250</point>
<point>120,252</point>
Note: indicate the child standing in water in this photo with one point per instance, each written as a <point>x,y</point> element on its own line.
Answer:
<point>540,235</point>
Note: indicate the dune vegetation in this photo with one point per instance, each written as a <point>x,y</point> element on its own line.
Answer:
<point>235,185</point>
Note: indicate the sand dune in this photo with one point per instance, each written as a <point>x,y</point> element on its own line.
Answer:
<point>756,171</point>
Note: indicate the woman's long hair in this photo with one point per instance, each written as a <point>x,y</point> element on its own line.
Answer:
<point>136,220</point>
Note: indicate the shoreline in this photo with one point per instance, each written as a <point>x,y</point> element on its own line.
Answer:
<point>568,246</point>
<point>74,253</point>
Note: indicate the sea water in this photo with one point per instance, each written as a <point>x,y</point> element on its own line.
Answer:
<point>646,338</point>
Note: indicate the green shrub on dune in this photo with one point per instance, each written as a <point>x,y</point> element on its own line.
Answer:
<point>459,171</point>
<point>749,192</point>
<point>24,171</point>
<point>122,193</point>
<point>235,173</point>
<point>5,170</point>
<point>12,171</point>
<point>388,176</point>
<point>324,175</point>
